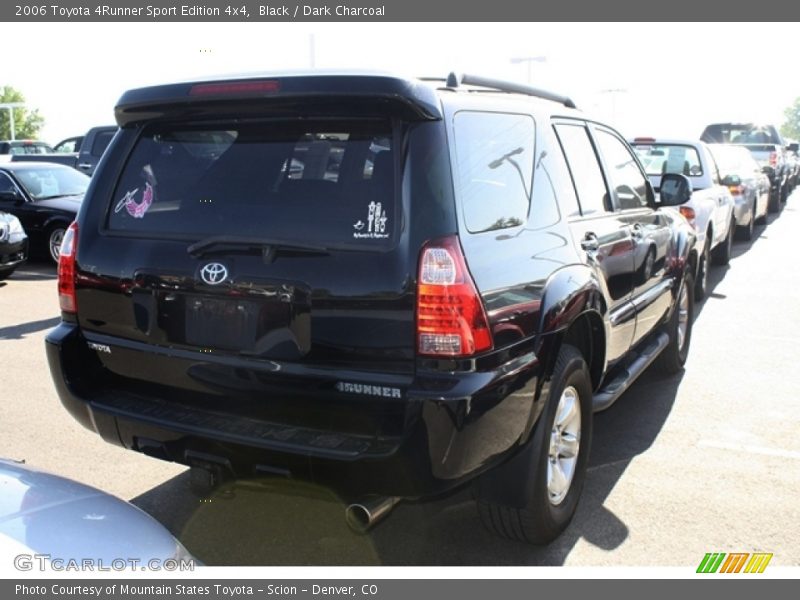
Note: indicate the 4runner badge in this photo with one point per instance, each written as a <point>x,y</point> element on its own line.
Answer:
<point>214,273</point>
<point>368,390</point>
<point>375,225</point>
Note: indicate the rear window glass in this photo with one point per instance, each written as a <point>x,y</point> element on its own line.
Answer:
<point>744,133</point>
<point>329,182</point>
<point>494,156</point>
<point>658,159</point>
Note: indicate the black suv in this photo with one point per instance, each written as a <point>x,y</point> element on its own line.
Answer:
<point>388,286</point>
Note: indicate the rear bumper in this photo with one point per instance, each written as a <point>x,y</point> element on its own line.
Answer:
<point>447,426</point>
<point>14,254</point>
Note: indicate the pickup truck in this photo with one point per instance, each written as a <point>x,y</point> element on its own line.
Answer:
<point>87,155</point>
<point>711,207</point>
<point>767,147</point>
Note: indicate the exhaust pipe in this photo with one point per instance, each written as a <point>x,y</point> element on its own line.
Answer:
<point>361,516</point>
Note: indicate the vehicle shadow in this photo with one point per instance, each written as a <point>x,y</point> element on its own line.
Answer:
<point>35,270</point>
<point>284,522</point>
<point>17,332</point>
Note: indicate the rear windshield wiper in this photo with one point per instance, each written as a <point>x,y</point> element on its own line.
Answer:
<point>268,247</point>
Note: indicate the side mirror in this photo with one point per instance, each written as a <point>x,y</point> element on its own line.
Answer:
<point>731,180</point>
<point>675,189</point>
<point>12,196</point>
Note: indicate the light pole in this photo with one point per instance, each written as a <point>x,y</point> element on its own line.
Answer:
<point>529,60</point>
<point>614,92</point>
<point>10,106</point>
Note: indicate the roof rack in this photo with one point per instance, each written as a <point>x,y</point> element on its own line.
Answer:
<point>455,80</point>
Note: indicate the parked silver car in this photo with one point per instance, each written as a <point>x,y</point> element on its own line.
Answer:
<point>711,207</point>
<point>72,523</point>
<point>747,182</point>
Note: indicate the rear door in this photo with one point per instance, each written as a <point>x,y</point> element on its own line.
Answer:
<point>651,230</point>
<point>603,233</point>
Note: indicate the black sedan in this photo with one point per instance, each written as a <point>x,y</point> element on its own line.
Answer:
<point>45,197</point>
<point>13,244</point>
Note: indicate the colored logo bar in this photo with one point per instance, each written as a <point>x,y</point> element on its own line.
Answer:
<point>734,562</point>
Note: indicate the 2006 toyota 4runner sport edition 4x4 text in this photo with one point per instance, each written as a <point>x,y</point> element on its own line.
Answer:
<point>389,286</point>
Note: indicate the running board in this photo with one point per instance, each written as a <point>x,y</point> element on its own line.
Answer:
<point>611,391</point>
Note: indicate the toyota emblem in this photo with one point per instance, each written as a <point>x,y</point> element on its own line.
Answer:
<point>214,273</point>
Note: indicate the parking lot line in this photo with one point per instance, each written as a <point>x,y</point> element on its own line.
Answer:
<point>751,449</point>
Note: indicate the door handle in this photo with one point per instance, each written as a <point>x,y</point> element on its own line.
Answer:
<point>590,243</point>
<point>84,165</point>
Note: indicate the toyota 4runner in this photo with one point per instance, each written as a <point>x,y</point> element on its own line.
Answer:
<point>389,286</point>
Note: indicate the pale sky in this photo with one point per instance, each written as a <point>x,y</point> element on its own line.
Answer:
<point>671,78</point>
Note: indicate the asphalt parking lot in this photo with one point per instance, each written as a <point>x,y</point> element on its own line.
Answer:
<point>708,461</point>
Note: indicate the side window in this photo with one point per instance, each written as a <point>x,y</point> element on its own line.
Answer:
<point>586,173</point>
<point>630,185</point>
<point>494,168</point>
<point>6,185</point>
<point>101,142</point>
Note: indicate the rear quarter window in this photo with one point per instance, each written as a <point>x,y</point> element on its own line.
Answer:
<point>494,168</point>
<point>329,182</point>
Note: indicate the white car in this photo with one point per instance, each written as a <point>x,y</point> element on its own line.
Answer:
<point>711,207</point>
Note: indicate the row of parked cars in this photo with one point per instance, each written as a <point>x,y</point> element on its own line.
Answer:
<point>41,189</point>
<point>739,173</point>
<point>391,286</point>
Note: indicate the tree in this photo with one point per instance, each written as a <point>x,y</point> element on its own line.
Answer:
<point>791,126</point>
<point>27,123</point>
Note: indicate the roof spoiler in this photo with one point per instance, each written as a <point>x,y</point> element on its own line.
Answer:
<point>411,98</point>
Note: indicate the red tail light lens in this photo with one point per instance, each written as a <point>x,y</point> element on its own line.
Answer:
<point>773,159</point>
<point>689,213</point>
<point>451,320</point>
<point>66,271</point>
<point>736,190</point>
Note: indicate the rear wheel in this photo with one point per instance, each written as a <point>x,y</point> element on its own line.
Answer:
<point>702,271</point>
<point>775,200</point>
<point>722,253</point>
<point>541,486</point>
<point>6,274</point>
<point>746,232</point>
<point>679,329</point>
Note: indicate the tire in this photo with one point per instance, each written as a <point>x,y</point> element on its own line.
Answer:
<point>6,274</point>
<point>775,200</point>
<point>722,253</point>
<point>54,237</point>
<point>679,329</point>
<point>535,505</point>
<point>746,232</point>
<point>703,262</point>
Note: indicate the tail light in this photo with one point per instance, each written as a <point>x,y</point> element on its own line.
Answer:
<point>689,213</point>
<point>736,190</point>
<point>235,88</point>
<point>451,320</point>
<point>773,159</point>
<point>66,270</point>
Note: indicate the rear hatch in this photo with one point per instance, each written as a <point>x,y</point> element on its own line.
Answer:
<point>238,256</point>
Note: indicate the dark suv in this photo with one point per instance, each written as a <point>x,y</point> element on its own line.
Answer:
<point>388,286</point>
